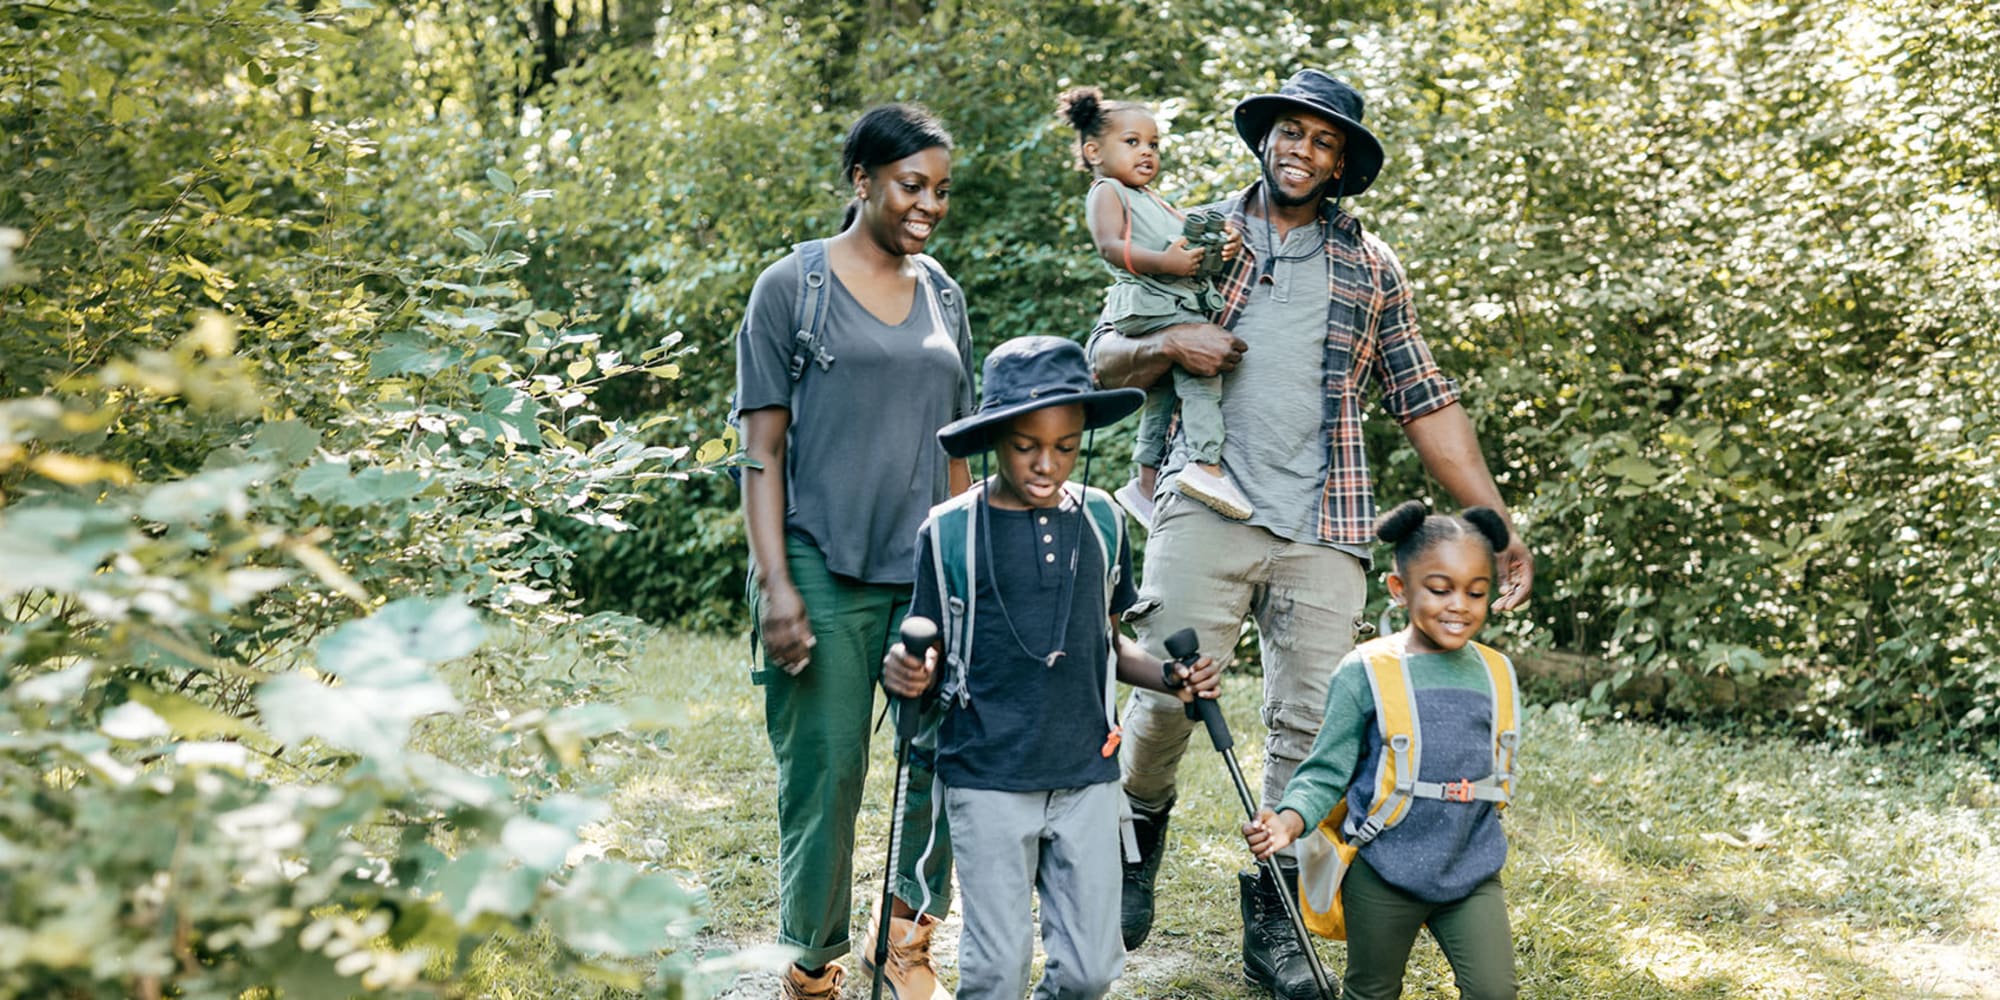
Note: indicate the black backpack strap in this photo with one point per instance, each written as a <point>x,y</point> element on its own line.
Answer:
<point>809,341</point>
<point>948,297</point>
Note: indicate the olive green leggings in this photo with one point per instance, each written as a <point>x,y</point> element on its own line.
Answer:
<point>1382,925</point>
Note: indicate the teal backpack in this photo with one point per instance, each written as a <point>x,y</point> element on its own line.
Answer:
<point>953,529</point>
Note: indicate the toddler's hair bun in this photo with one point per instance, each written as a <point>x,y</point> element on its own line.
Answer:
<point>1488,522</point>
<point>1401,522</point>
<point>1082,108</point>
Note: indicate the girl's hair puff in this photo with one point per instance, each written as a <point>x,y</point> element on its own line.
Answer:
<point>884,134</point>
<point>1413,529</point>
<point>1086,110</point>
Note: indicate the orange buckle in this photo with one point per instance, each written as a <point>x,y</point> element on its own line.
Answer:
<point>1458,791</point>
<point>1111,742</point>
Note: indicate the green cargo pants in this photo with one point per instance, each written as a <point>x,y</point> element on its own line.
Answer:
<point>818,723</point>
<point>1382,926</point>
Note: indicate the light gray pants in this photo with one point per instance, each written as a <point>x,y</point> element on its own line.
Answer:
<point>1206,572</point>
<point>1062,844</point>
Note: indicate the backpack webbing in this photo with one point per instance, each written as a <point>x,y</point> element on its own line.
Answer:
<point>809,341</point>
<point>953,527</point>
<point>1326,853</point>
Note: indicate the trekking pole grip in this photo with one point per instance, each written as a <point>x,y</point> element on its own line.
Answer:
<point>1185,647</point>
<point>919,635</point>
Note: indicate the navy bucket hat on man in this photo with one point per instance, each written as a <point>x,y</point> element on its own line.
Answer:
<point>1028,373</point>
<point>1316,92</point>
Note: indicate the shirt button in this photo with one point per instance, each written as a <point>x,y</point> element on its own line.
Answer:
<point>1051,557</point>
<point>1048,538</point>
<point>1044,519</point>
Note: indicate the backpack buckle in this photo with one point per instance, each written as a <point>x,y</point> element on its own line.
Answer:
<point>1458,791</point>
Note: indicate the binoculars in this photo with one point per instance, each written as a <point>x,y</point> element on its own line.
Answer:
<point>1205,229</point>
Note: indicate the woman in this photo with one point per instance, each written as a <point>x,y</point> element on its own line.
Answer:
<point>840,408</point>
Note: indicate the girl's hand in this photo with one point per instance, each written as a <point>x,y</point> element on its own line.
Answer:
<point>1202,680</point>
<point>1181,260</point>
<point>905,675</point>
<point>788,635</point>
<point>1272,832</point>
<point>1234,244</point>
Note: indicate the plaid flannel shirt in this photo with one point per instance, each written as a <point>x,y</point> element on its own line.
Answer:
<point>1371,332</point>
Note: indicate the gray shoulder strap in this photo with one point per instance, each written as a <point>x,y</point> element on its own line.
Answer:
<point>808,341</point>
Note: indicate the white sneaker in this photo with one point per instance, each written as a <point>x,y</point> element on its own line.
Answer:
<point>1136,503</point>
<point>1215,492</point>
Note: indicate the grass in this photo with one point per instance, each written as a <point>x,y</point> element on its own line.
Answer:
<point>1647,861</point>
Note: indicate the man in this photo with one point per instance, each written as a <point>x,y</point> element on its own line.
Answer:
<point>1315,308</point>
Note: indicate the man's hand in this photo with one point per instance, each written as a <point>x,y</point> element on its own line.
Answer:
<point>906,676</point>
<point>1203,348</point>
<point>1516,568</point>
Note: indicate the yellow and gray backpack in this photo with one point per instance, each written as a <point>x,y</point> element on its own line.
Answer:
<point>1326,853</point>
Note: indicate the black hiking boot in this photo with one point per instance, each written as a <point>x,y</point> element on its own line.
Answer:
<point>1136,904</point>
<point>1271,955</point>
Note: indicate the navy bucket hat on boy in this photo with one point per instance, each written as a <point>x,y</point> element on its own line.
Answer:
<point>1316,92</point>
<point>1028,373</point>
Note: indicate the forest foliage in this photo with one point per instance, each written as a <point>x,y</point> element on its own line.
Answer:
<point>337,333</point>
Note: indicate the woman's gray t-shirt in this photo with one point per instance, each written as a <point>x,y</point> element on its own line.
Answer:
<point>862,462</point>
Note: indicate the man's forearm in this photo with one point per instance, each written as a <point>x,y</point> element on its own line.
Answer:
<point>1449,447</point>
<point>1137,362</point>
<point>1122,362</point>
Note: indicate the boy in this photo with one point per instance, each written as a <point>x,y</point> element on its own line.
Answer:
<point>1035,572</point>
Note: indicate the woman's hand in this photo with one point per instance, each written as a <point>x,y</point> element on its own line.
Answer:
<point>788,635</point>
<point>905,675</point>
<point>1272,832</point>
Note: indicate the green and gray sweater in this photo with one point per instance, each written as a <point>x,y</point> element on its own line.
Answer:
<point>1441,850</point>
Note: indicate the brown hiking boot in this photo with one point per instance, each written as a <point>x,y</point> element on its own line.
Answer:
<point>801,985</point>
<point>910,974</point>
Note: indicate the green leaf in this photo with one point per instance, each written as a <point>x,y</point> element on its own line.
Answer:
<point>187,718</point>
<point>284,442</point>
<point>1634,470</point>
<point>484,881</point>
<point>610,909</point>
<point>548,318</point>
<point>200,497</point>
<point>402,637</point>
<point>371,716</point>
<point>470,239</point>
<point>538,845</point>
<point>499,179</point>
<point>407,359</point>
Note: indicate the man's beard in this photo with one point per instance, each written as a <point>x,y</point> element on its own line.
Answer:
<point>1282,200</point>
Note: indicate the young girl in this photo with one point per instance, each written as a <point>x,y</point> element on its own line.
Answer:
<point>1155,286</point>
<point>1439,866</point>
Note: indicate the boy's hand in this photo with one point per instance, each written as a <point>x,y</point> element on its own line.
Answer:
<point>1202,680</point>
<point>1272,832</point>
<point>904,675</point>
<point>1183,261</point>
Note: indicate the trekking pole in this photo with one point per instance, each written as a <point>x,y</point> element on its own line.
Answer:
<point>1185,647</point>
<point>919,635</point>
